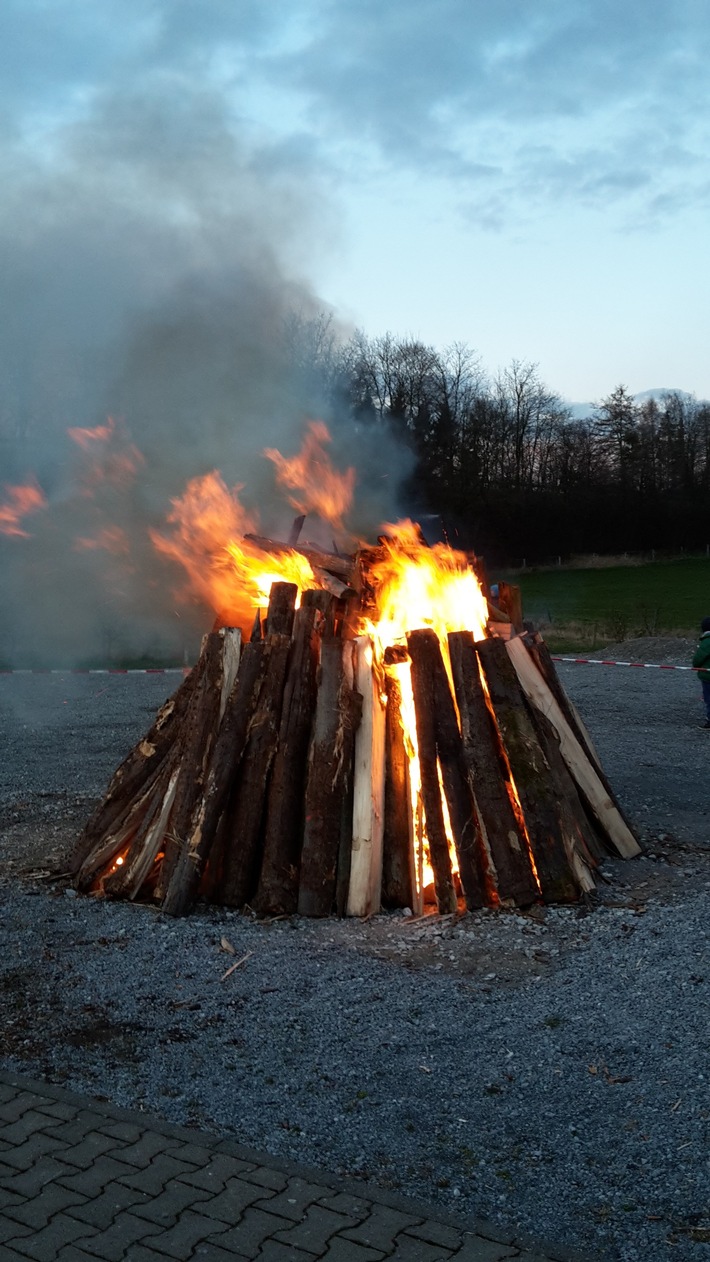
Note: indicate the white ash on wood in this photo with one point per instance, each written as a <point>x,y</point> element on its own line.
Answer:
<point>280,775</point>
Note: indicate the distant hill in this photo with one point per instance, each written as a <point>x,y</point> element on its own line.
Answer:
<point>581,410</point>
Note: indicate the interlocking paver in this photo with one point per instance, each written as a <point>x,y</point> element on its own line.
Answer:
<point>58,1110</point>
<point>101,1210</point>
<point>254,1229</point>
<point>229,1204</point>
<point>91,1147</point>
<point>381,1229</point>
<point>178,1243</point>
<point>344,1203</point>
<point>10,1229</point>
<point>127,1132</point>
<point>217,1173</point>
<point>17,1104</point>
<point>114,1243</point>
<point>93,1181</point>
<point>72,1130</point>
<point>30,1182</point>
<point>273,1251</point>
<point>24,1127</point>
<point>315,1229</point>
<point>44,1245</point>
<point>26,1155</point>
<point>407,1249</point>
<point>38,1210</point>
<point>436,1233</point>
<point>341,1250</point>
<point>146,1148</point>
<point>295,1199</point>
<point>266,1178</point>
<point>166,1208</point>
<point>153,1178</point>
<point>476,1249</point>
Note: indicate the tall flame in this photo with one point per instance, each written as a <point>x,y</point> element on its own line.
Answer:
<point>313,484</point>
<point>20,501</point>
<point>225,570</point>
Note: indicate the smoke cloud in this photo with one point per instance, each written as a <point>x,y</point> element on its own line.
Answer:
<point>152,262</point>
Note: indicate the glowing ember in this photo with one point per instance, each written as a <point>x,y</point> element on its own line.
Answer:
<point>20,501</point>
<point>313,484</point>
<point>224,569</point>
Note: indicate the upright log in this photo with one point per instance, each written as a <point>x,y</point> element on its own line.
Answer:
<point>226,756</point>
<point>329,782</point>
<point>425,701</point>
<point>510,601</point>
<point>281,611</point>
<point>538,791</point>
<point>398,869</point>
<point>198,733</point>
<point>369,790</point>
<point>427,661</point>
<point>584,772</point>
<point>542,658</point>
<point>345,847</point>
<point>277,893</point>
<point>488,777</point>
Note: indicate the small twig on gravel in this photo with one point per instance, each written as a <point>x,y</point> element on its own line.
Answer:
<point>224,976</point>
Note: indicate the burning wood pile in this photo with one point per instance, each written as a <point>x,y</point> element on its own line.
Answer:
<point>378,736</point>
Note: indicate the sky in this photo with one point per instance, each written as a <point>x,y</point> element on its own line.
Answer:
<point>530,177</point>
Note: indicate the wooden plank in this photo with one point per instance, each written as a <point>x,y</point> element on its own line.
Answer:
<point>510,602</point>
<point>368,789</point>
<point>488,776</point>
<point>582,769</point>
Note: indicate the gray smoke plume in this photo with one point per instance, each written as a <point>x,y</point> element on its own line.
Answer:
<point>151,267</point>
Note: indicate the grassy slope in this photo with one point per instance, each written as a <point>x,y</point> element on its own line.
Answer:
<point>665,597</point>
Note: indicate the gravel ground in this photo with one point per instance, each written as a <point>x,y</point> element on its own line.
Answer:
<point>548,1070</point>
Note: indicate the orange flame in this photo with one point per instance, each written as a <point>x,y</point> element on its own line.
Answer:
<point>226,571</point>
<point>417,586</point>
<point>113,460</point>
<point>20,502</point>
<point>315,486</point>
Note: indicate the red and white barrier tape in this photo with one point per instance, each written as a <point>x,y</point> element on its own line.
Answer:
<point>146,670</point>
<point>598,661</point>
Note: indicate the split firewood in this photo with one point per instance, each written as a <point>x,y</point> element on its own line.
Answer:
<point>537,788</point>
<point>428,671</point>
<point>584,772</point>
<point>365,886</point>
<point>488,776</point>
<point>399,884</point>
<point>425,712</point>
<point>328,799</point>
<point>277,893</point>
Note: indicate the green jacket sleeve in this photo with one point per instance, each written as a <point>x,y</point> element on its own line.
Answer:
<point>702,652</point>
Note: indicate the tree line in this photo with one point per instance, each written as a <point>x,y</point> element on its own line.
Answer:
<point>503,462</point>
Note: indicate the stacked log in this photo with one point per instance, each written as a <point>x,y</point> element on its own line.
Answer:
<point>279,776</point>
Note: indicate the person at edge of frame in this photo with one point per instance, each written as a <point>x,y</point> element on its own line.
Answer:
<point>701,658</point>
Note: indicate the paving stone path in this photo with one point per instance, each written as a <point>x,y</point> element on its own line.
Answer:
<point>81,1181</point>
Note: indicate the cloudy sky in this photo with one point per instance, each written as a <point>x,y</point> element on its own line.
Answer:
<point>530,177</point>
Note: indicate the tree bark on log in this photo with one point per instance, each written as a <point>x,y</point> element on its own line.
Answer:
<point>243,832</point>
<point>488,777</point>
<point>425,700</point>
<point>365,886</point>
<point>329,782</point>
<point>198,732</point>
<point>345,848</point>
<point>277,893</point>
<point>137,769</point>
<point>226,756</point>
<point>580,841</point>
<point>425,652</point>
<point>398,870</point>
<point>538,792</point>
<point>584,772</point>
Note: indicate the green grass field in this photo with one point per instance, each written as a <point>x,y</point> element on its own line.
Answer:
<point>579,607</point>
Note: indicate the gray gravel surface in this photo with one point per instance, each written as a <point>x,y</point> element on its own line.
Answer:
<point>548,1070</point>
